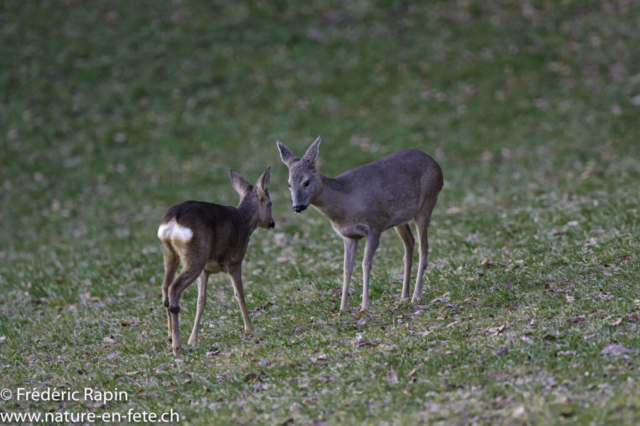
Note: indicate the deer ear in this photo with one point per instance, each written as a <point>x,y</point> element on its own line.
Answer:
<point>285,154</point>
<point>312,153</point>
<point>240,184</point>
<point>264,181</point>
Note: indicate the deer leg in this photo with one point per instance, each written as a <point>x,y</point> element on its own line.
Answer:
<point>350,249</point>
<point>373,239</point>
<point>202,300</point>
<point>422,219</point>
<point>171,261</point>
<point>409,242</point>
<point>184,280</point>
<point>236,279</point>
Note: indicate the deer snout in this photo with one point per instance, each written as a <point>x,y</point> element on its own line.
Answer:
<point>299,208</point>
<point>272,225</point>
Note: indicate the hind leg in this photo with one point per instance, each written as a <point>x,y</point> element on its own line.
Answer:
<point>202,300</point>
<point>409,242</point>
<point>171,261</point>
<point>184,280</point>
<point>422,219</point>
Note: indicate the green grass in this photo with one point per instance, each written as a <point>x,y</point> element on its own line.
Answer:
<point>112,112</point>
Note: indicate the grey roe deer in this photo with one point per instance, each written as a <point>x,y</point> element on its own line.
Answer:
<point>366,201</point>
<point>208,238</point>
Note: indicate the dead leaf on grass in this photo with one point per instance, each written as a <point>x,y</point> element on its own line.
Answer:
<point>615,321</point>
<point>508,284</point>
<point>252,377</point>
<point>392,377</point>
<point>496,330</point>
<point>616,350</point>
<point>444,298</point>
<point>574,320</point>
<point>519,412</point>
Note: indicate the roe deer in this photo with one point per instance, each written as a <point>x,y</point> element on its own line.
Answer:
<point>208,238</point>
<point>364,202</point>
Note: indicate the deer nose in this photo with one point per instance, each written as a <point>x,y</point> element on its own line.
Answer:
<point>299,208</point>
<point>272,225</point>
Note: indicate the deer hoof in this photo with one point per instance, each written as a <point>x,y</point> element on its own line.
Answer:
<point>174,309</point>
<point>177,352</point>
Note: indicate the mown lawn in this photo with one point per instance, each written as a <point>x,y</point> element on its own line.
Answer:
<point>112,112</point>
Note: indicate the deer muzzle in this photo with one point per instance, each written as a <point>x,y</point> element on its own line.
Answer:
<point>299,208</point>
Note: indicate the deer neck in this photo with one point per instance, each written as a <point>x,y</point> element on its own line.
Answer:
<point>329,200</point>
<point>249,213</point>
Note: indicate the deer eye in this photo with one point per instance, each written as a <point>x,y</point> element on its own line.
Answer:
<point>306,183</point>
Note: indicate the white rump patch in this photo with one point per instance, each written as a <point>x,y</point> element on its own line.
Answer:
<point>173,231</point>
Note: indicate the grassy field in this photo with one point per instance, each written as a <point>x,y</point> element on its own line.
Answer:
<point>112,112</point>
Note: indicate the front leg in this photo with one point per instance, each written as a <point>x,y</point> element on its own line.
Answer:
<point>236,279</point>
<point>373,239</point>
<point>350,249</point>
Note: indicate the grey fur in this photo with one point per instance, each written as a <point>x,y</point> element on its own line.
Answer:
<point>368,200</point>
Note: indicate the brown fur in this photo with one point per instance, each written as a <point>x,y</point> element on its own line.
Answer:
<point>220,236</point>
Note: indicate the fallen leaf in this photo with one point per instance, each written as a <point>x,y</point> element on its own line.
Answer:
<point>508,285</point>
<point>527,339</point>
<point>496,330</point>
<point>392,377</point>
<point>502,351</point>
<point>519,412</point>
<point>591,242</point>
<point>357,340</point>
<point>615,350</point>
<point>252,377</point>
<point>574,320</point>
<point>453,210</point>
<point>616,321</point>
<point>444,298</point>
<point>108,340</point>
<point>124,324</point>
<point>412,373</point>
